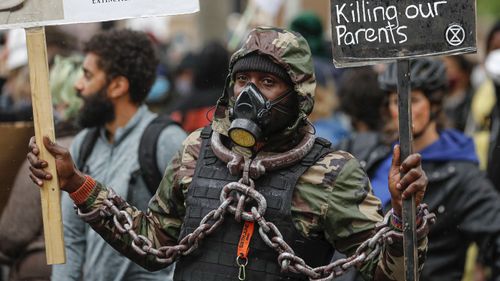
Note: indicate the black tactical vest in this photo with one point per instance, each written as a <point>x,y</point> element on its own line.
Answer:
<point>215,259</point>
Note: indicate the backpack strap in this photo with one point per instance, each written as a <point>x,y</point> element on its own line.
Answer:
<point>147,151</point>
<point>86,148</point>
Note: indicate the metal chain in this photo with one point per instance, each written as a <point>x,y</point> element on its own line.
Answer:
<point>143,245</point>
<point>234,197</point>
<point>292,263</point>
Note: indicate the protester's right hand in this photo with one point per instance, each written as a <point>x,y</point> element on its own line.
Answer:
<point>70,178</point>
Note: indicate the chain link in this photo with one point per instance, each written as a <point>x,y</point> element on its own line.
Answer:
<point>234,196</point>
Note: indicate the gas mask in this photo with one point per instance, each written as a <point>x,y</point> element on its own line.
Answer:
<point>254,118</point>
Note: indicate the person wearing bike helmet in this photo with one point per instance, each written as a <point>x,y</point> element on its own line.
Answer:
<point>464,201</point>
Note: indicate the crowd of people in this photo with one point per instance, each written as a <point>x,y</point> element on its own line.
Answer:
<point>188,150</point>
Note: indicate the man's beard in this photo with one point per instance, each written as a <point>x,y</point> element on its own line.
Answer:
<point>97,110</point>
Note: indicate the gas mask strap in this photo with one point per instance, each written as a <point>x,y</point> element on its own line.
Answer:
<point>277,100</point>
<point>275,104</point>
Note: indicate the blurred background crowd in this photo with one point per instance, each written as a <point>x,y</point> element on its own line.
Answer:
<point>194,52</point>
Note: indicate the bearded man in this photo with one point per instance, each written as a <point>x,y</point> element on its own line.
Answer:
<point>118,70</point>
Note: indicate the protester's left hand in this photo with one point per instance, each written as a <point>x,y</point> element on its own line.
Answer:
<point>414,180</point>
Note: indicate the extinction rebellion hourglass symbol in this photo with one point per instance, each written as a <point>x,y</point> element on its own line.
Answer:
<point>455,35</point>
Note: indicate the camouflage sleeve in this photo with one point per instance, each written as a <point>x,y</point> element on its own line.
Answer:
<point>346,216</point>
<point>162,221</point>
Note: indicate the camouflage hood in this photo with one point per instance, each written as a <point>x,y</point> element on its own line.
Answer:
<point>288,49</point>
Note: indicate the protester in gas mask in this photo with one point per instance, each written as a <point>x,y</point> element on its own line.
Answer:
<point>257,118</point>
<point>257,170</point>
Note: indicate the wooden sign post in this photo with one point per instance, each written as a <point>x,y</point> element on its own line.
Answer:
<point>405,141</point>
<point>44,126</point>
<point>377,31</point>
<point>33,16</point>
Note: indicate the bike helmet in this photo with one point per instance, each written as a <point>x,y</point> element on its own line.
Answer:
<point>427,75</point>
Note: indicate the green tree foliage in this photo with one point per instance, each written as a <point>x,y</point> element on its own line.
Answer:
<point>490,8</point>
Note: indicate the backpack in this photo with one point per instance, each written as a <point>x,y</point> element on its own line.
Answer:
<point>147,150</point>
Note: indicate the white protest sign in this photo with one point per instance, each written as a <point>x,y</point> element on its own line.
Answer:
<point>32,13</point>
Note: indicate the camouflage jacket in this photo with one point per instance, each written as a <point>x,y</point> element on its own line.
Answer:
<point>332,198</point>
